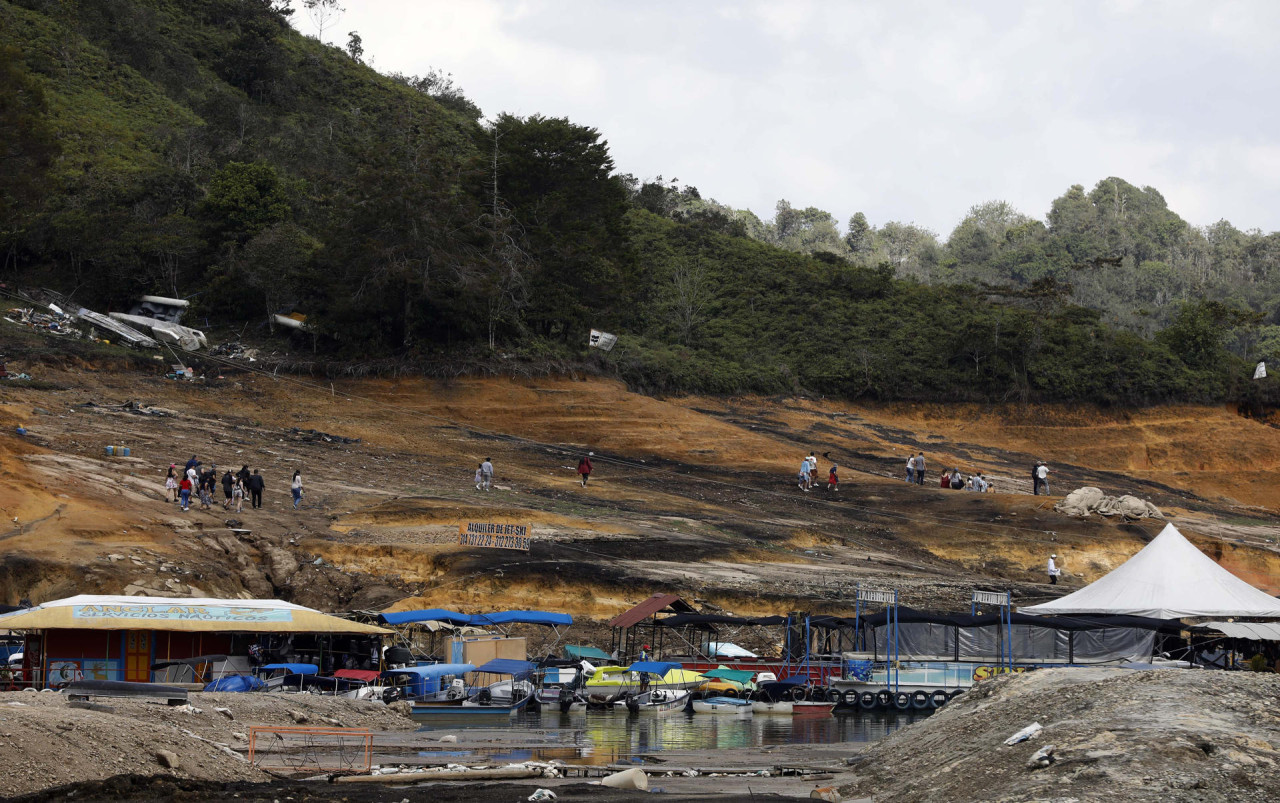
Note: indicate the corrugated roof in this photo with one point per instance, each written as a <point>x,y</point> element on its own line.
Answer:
<point>1254,631</point>
<point>655,604</point>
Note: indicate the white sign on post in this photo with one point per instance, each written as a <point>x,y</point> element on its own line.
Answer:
<point>602,340</point>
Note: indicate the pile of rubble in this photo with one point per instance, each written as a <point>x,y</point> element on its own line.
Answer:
<point>1083,501</point>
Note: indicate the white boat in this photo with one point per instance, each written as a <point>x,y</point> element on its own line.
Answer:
<point>166,331</point>
<point>763,707</point>
<point>722,705</point>
<point>658,701</point>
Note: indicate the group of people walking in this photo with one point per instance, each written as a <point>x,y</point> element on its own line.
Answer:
<point>194,483</point>
<point>808,476</point>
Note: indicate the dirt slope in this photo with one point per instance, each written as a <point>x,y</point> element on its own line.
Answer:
<point>692,495</point>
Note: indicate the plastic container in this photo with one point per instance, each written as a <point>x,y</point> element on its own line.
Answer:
<point>111,450</point>
<point>22,431</point>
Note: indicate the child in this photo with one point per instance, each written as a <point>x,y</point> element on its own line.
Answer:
<point>171,484</point>
<point>833,482</point>
<point>237,494</point>
<point>479,476</point>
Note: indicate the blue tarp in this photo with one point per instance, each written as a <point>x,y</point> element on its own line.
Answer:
<point>524,618</point>
<point>429,615</point>
<point>658,668</point>
<point>235,683</point>
<point>508,666</point>
<point>296,669</point>
<point>479,619</point>
<point>585,653</point>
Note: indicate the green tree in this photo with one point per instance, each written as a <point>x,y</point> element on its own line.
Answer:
<point>245,198</point>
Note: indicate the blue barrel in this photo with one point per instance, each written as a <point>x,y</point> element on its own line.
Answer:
<point>111,450</point>
<point>126,451</point>
<point>22,431</point>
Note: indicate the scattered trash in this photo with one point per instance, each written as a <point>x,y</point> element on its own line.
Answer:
<point>234,351</point>
<point>1041,758</point>
<point>1025,734</point>
<point>450,739</point>
<point>541,794</point>
<point>226,712</point>
<point>627,779</point>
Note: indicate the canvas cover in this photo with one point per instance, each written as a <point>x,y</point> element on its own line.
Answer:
<point>204,615</point>
<point>1169,579</point>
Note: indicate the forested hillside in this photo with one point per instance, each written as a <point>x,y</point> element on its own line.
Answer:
<point>210,151</point>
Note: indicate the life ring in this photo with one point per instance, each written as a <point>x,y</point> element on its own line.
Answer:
<point>796,694</point>
<point>867,700</point>
<point>920,700</point>
<point>850,697</point>
<point>902,700</point>
<point>939,698</point>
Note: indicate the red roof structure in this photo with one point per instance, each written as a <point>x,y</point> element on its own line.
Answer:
<point>658,603</point>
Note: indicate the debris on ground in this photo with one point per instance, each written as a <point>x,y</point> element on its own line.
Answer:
<point>234,351</point>
<point>1167,734</point>
<point>316,436</point>
<point>1083,501</point>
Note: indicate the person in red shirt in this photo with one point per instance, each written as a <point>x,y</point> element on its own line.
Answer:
<point>184,492</point>
<point>584,468</point>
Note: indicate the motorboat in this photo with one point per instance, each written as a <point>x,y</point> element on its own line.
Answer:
<point>608,684</point>
<point>430,683</point>
<point>502,699</point>
<point>287,677</point>
<point>783,707</point>
<point>722,705</point>
<point>652,694</point>
<point>656,701</point>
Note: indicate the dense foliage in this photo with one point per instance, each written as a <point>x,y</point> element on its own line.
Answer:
<point>210,151</point>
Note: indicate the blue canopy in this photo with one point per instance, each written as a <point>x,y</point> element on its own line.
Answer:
<point>585,653</point>
<point>479,619</point>
<point>432,670</point>
<point>523,618</point>
<point>658,668</point>
<point>296,669</point>
<point>429,615</point>
<point>508,666</point>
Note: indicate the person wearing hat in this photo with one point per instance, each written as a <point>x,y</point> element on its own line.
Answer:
<point>1054,571</point>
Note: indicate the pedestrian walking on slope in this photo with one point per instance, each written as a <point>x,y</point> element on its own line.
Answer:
<point>813,469</point>
<point>1054,571</point>
<point>296,488</point>
<point>256,486</point>
<point>833,481</point>
<point>920,469</point>
<point>171,484</point>
<point>1035,478</point>
<point>227,482</point>
<point>1042,478</point>
<point>486,474</point>
<point>584,468</point>
<point>479,475</point>
<point>237,494</point>
<point>243,475</point>
<point>911,468</point>
<point>803,477</point>
<point>184,493</point>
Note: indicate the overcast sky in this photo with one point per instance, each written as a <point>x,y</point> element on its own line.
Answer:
<point>905,111</point>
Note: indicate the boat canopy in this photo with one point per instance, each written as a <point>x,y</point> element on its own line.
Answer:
<point>731,675</point>
<point>585,653</point>
<point>428,615</point>
<point>432,670</point>
<point>507,666</point>
<point>654,667</point>
<point>545,618</point>
<point>293,669</point>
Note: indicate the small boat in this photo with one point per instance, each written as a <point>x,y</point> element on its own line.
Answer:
<point>812,708</point>
<point>764,707</point>
<point>495,701</point>
<point>609,684</point>
<point>722,705</point>
<point>656,701</point>
<point>286,676</point>
<point>433,683</point>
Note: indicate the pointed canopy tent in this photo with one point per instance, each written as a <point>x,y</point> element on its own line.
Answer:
<point>1169,579</point>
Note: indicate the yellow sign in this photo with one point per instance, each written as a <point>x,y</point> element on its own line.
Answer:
<point>983,672</point>
<point>494,536</point>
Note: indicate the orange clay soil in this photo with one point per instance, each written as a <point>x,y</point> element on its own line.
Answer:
<point>693,495</point>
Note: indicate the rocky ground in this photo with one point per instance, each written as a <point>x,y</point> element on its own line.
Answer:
<point>1109,734</point>
<point>47,741</point>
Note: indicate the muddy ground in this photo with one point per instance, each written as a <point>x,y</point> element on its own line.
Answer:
<point>1113,734</point>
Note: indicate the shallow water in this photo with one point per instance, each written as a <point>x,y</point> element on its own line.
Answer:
<point>607,737</point>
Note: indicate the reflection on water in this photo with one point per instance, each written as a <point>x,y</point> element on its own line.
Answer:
<point>606,737</point>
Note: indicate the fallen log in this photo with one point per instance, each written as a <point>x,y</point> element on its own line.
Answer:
<point>498,774</point>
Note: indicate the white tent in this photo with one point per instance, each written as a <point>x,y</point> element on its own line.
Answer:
<point>1169,579</point>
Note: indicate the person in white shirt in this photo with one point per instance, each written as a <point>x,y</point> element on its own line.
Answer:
<point>486,472</point>
<point>1054,571</point>
<point>1042,478</point>
<point>911,468</point>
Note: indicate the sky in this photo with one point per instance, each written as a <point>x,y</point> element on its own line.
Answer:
<point>907,111</point>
